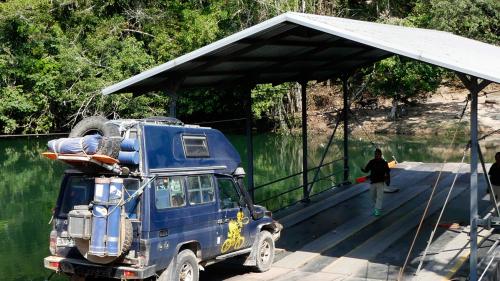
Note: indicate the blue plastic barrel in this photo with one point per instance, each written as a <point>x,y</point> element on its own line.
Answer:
<point>129,145</point>
<point>128,157</point>
<point>113,228</point>
<point>99,215</point>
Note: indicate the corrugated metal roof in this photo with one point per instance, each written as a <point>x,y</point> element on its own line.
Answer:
<point>301,47</point>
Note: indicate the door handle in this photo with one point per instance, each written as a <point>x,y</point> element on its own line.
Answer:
<point>222,221</point>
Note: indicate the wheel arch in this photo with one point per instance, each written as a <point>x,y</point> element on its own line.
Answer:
<point>271,226</point>
<point>192,245</point>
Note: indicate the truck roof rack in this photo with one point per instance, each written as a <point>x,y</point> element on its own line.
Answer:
<point>163,120</point>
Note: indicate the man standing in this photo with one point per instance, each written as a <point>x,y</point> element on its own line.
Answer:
<point>379,174</point>
<point>495,177</point>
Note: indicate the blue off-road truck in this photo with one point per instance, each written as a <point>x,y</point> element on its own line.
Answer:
<point>153,199</point>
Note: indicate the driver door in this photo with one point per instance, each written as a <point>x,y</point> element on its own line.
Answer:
<point>233,217</point>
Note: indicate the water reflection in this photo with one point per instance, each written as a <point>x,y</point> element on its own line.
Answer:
<point>29,184</point>
<point>28,188</point>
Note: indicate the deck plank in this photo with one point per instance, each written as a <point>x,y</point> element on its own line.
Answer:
<point>375,244</point>
<point>340,197</point>
<point>454,254</point>
<point>357,260</point>
<point>328,240</point>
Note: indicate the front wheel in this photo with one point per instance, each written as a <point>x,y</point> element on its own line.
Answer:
<point>185,269</point>
<point>265,252</point>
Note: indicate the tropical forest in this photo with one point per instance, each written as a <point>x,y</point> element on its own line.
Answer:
<point>57,55</point>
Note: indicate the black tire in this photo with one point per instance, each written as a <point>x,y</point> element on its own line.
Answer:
<point>127,237</point>
<point>110,147</point>
<point>183,268</point>
<point>264,255</point>
<point>99,125</point>
<point>92,125</point>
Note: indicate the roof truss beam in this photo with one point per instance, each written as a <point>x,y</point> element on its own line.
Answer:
<point>306,74</point>
<point>473,84</point>
<point>280,67</point>
<point>242,51</point>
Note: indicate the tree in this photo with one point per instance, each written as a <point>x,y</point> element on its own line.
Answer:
<point>475,19</point>
<point>403,80</point>
<point>55,56</point>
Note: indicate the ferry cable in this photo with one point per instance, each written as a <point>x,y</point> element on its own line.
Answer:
<point>493,195</point>
<point>486,269</point>
<point>431,237</point>
<point>401,271</point>
<point>492,248</point>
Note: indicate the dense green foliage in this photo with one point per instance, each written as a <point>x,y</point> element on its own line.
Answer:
<point>56,55</point>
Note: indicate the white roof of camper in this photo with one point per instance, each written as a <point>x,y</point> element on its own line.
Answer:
<point>301,47</point>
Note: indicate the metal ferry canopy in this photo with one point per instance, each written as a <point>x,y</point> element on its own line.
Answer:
<point>302,47</point>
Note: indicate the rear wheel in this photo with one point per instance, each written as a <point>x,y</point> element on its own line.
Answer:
<point>264,255</point>
<point>184,268</point>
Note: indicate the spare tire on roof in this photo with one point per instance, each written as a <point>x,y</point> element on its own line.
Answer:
<point>100,125</point>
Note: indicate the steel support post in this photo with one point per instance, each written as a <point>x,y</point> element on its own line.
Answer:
<point>173,105</point>
<point>346,127</point>
<point>305,185</point>
<point>248,111</point>
<point>474,87</point>
<point>473,186</point>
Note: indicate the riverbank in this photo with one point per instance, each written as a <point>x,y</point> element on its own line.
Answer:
<point>439,114</point>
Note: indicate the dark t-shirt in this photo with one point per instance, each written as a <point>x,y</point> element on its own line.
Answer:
<point>494,174</point>
<point>378,169</point>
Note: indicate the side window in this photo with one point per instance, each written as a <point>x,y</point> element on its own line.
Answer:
<point>229,196</point>
<point>200,189</point>
<point>169,192</point>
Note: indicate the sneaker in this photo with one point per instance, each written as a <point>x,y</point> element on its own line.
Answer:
<point>376,212</point>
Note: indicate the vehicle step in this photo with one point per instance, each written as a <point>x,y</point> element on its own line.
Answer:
<point>234,254</point>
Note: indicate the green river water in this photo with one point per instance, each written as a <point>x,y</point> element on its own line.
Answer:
<point>29,184</point>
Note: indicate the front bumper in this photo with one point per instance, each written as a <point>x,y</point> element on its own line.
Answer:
<point>87,269</point>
